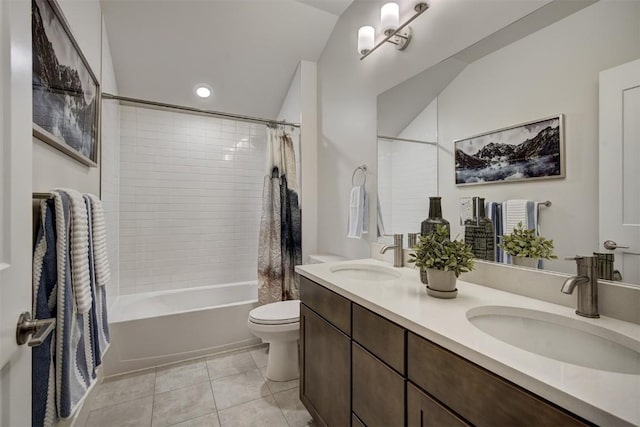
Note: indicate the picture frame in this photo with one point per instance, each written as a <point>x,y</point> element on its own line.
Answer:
<point>66,92</point>
<point>528,151</point>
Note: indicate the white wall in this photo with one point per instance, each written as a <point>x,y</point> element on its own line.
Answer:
<point>300,106</point>
<point>190,200</point>
<point>52,168</point>
<point>552,71</point>
<point>347,90</point>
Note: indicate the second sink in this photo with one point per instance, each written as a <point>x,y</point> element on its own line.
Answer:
<point>560,338</point>
<point>366,272</point>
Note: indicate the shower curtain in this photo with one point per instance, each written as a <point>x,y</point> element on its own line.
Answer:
<point>280,247</point>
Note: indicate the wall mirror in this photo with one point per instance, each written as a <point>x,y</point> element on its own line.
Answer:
<point>546,64</point>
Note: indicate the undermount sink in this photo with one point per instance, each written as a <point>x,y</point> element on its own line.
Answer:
<point>366,272</point>
<point>560,338</point>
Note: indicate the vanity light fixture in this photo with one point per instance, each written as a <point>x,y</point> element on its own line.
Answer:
<point>203,90</point>
<point>394,32</point>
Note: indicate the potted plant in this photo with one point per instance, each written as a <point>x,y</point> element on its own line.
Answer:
<point>525,247</point>
<point>443,259</point>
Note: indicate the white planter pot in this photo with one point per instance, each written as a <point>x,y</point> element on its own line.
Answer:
<point>441,281</point>
<point>525,261</point>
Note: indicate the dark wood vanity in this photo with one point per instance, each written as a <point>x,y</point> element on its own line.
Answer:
<point>358,368</point>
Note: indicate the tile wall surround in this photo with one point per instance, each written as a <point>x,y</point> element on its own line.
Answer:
<point>110,189</point>
<point>190,199</point>
<point>411,172</point>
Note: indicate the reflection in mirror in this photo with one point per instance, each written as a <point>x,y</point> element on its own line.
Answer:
<point>546,64</point>
<point>407,174</point>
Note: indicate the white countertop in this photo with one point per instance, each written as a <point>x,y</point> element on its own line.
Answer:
<point>602,397</point>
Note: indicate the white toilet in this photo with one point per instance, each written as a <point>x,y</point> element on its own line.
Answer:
<point>278,324</point>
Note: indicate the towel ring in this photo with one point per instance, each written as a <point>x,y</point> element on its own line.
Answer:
<point>362,169</point>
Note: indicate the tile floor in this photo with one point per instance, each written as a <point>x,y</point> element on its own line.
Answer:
<point>220,391</point>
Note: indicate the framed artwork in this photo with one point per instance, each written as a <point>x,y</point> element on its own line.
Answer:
<point>524,152</point>
<point>66,93</point>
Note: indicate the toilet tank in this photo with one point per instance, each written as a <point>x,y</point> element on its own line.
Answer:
<point>320,258</point>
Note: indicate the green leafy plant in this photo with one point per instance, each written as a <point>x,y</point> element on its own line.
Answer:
<point>437,251</point>
<point>523,242</point>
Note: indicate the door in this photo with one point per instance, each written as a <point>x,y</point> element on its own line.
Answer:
<point>619,167</point>
<point>325,369</point>
<point>15,209</point>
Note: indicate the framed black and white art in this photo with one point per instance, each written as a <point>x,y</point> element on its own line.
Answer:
<point>66,93</point>
<point>524,152</point>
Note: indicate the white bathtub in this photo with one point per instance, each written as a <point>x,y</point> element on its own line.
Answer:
<point>157,328</point>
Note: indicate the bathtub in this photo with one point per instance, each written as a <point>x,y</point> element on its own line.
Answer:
<point>158,328</point>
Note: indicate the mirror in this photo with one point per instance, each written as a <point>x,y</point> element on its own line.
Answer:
<point>544,65</point>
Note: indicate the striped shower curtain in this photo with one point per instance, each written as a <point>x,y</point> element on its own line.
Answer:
<point>280,247</point>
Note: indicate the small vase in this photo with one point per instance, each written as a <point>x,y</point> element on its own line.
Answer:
<point>429,225</point>
<point>524,261</point>
<point>442,284</point>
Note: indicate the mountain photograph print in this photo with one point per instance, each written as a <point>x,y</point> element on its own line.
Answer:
<point>66,93</point>
<point>529,151</point>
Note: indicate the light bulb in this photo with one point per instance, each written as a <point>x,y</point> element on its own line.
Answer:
<point>389,18</point>
<point>365,39</point>
<point>203,90</point>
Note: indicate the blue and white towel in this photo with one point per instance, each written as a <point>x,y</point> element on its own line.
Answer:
<point>505,216</point>
<point>64,366</point>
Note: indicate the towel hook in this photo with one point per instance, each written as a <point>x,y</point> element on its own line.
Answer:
<point>363,169</point>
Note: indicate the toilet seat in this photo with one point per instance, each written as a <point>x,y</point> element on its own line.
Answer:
<point>277,313</point>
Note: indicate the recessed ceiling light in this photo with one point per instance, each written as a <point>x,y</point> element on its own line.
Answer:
<point>203,90</point>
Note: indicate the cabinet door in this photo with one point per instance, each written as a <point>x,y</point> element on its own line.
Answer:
<point>325,386</point>
<point>378,391</point>
<point>423,411</point>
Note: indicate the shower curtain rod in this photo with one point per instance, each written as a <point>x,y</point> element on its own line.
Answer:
<point>393,138</point>
<point>198,110</point>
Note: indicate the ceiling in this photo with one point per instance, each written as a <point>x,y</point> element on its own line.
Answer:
<point>246,50</point>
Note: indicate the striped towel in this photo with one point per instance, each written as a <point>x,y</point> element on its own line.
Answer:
<point>99,239</point>
<point>64,367</point>
<point>79,243</point>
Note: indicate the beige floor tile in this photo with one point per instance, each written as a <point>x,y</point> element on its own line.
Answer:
<point>183,404</point>
<point>182,375</point>
<point>257,413</point>
<point>292,408</point>
<point>260,356</point>
<point>230,364</point>
<point>278,386</point>
<point>135,413</point>
<point>241,388</point>
<point>123,389</point>
<point>210,420</point>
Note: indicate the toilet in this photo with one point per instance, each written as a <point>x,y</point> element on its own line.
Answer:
<point>278,324</point>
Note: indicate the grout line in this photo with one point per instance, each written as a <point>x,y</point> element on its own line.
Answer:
<point>153,399</point>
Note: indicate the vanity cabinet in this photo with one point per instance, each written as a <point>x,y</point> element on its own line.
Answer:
<point>325,354</point>
<point>360,369</point>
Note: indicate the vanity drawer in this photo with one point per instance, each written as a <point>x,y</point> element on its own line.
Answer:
<point>423,411</point>
<point>328,304</point>
<point>377,390</point>
<point>379,336</point>
<point>476,394</point>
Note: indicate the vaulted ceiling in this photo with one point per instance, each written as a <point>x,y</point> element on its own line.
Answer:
<point>246,50</point>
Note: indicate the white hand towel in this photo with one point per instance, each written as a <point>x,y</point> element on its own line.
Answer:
<point>100,255</point>
<point>79,249</point>
<point>357,212</point>
<point>516,212</point>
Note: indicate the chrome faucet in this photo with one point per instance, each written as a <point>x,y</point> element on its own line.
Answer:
<point>398,256</point>
<point>587,283</point>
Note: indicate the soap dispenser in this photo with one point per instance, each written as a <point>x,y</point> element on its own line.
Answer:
<point>479,233</point>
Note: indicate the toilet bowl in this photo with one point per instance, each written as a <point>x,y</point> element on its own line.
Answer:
<point>278,324</point>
